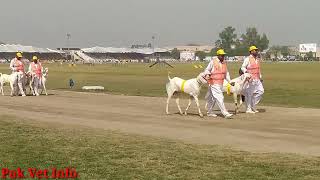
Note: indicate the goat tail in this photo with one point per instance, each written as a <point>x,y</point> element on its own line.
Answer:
<point>0,74</point>
<point>169,75</point>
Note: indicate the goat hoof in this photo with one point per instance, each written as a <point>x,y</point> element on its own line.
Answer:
<point>185,113</point>
<point>201,115</point>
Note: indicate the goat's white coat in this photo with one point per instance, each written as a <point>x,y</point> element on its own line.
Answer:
<point>43,81</point>
<point>191,87</point>
<point>12,79</point>
<point>4,79</point>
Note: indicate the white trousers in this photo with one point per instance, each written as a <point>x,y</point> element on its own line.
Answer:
<point>254,94</point>
<point>216,96</point>
<point>36,84</point>
<point>19,78</point>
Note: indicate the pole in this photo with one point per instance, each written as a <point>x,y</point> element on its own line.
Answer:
<point>68,43</point>
<point>153,37</point>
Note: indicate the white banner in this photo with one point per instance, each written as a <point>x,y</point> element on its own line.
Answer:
<point>187,55</point>
<point>305,48</point>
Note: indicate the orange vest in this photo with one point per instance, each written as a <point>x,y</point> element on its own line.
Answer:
<point>219,72</point>
<point>254,68</point>
<point>19,65</point>
<point>36,68</point>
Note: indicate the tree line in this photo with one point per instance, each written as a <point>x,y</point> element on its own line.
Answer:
<point>233,44</point>
<point>237,45</point>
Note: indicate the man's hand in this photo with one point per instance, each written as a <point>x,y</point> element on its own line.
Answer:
<point>261,80</point>
<point>232,83</point>
<point>207,76</point>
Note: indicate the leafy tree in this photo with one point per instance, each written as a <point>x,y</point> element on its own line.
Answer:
<point>264,42</point>
<point>252,37</point>
<point>201,55</point>
<point>310,55</point>
<point>175,53</point>
<point>227,38</point>
<point>218,43</point>
<point>275,51</point>
<point>285,51</point>
<point>213,52</point>
<point>279,50</point>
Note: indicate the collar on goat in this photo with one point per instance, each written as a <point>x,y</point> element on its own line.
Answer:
<point>198,81</point>
<point>182,86</point>
<point>229,89</point>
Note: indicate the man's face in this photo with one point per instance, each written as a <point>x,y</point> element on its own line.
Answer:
<point>19,58</point>
<point>254,52</point>
<point>221,57</point>
<point>35,61</point>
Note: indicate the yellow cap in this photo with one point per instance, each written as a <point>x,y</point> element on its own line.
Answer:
<point>34,58</point>
<point>221,52</point>
<point>19,54</point>
<point>253,48</point>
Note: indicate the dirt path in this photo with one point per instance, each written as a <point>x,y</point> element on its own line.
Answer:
<point>294,130</point>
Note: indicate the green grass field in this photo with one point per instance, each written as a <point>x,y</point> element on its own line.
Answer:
<point>286,84</point>
<point>112,155</point>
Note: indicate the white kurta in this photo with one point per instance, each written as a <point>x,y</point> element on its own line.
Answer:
<point>36,80</point>
<point>254,90</point>
<point>215,92</point>
<point>17,76</point>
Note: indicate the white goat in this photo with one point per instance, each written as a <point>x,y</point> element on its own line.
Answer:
<point>236,90</point>
<point>27,83</point>
<point>4,79</point>
<point>44,81</point>
<point>10,79</point>
<point>192,87</point>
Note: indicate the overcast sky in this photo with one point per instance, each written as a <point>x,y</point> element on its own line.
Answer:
<point>45,23</point>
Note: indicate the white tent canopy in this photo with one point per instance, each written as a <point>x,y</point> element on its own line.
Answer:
<point>11,48</point>
<point>98,49</point>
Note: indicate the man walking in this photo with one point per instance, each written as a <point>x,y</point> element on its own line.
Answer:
<point>17,67</point>
<point>216,73</point>
<point>255,88</point>
<point>35,69</point>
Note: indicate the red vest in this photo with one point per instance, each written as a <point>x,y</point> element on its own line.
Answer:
<point>19,65</point>
<point>254,67</point>
<point>36,68</point>
<point>219,72</point>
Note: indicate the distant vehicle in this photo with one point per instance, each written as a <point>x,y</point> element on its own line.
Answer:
<point>292,58</point>
<point>231,59</point>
